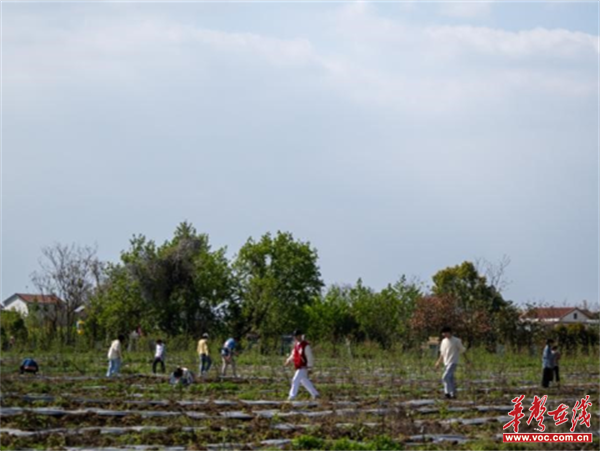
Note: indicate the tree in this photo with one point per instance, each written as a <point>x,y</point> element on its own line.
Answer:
<point>175,288</point>
<point>182,282</point>
<point>278,277</point>
<point>495,273</point>
<point>479,303</point>
<point>384,316</point>
<point>118,306</point>
<point>330,317</point>
<point>432,313</point>
<point>72,273</point>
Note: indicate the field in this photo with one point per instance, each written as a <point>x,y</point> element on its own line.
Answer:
<point>371,400</point>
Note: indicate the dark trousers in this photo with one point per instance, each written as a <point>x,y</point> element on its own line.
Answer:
<point>547,377</point>
<point>156,361</point>
<point>205,363</point>
<point>556,374</point>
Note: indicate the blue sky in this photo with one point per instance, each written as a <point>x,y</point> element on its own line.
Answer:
<point>398,138</point>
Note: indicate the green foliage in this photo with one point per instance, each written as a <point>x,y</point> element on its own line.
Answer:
<point>383,317</point>
<point>173,289</point>
<point>12,324</point>
<point>330,317</point>
<point>118,307</point>
<point>278,278</point>
<point>576,336</point>
<point>379,443</point>
<point>484,314</point>
<point>308,442</point>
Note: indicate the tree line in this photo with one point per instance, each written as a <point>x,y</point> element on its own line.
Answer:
<point>184,287</point>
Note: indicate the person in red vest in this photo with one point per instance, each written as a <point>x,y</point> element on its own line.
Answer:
<point>302,358</point>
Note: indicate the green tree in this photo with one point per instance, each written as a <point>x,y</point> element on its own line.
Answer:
<point>278,277</point>
<point>118,307</point>
<point>384,316</point>
<point>12,324</point>
<point>330,317</point>
<point>174,288</point>
<point>480,305</point>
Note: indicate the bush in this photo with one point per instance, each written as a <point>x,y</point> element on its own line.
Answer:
<point>308,442</point>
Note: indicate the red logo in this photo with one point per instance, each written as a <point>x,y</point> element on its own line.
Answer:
<point>559,415</point>
<point>516,413</point>
<point>538,410</point>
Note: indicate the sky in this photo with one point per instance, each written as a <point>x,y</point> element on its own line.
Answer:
<point>397,138</point>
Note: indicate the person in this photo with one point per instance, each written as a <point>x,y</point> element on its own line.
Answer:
<point>181,376</point>
<point>114,356</point>
<point>547,363</point>
<point>29,366</point>
<point>228,355</point>
<point>204,355</point>
<point>79,326</point>
<point>556,359</point>
<point>303,360</point>
<point>159,356</point>
<point>450,349</point>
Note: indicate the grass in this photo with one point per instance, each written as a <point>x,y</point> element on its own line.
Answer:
<point>374,380</point>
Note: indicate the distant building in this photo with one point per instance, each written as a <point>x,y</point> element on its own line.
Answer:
<point>560,315</point>
<point>24,303</point>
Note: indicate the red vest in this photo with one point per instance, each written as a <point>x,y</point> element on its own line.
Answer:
<point>299,355</point>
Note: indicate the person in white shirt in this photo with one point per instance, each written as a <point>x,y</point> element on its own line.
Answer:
<point>159,356</point>
<point>450,350</point>
<point>303,360</point>
<point>181,376</point>
<point>114,357</point>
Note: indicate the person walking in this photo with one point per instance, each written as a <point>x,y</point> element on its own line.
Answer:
<point>204,355</point>
<point>228,355</point>
<point>547,363</point>
<point>303,360</point>
<point>451,348</point>
<point>114,356</point>
<point>159,356</point>
<point>556,359</point>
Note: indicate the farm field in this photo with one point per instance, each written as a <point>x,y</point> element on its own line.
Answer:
<point>368,402</point>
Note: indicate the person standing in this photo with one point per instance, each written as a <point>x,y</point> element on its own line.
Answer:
<point>303,360</point>
<point>159,356</point>
<point>204,355</point>
<point>114,356</point>
<point>228,355</point>
<point>556,359</point>
<point>451,348</point>
<point>547,363</point>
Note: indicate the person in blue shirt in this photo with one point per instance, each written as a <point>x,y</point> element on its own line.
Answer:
<point>547,363</point>
<point>29,366</point>
<point>228,355</point>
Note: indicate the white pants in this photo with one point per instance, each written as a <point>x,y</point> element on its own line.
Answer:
<point>301,377</point>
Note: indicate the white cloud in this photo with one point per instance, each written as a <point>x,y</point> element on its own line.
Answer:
<point>534,43</point>
<point>378,61</point>
<point>466,10</point>
<point>449,68</point>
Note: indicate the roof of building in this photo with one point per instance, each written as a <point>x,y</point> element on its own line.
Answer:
<point>39,298</point>
<point>553,312</point>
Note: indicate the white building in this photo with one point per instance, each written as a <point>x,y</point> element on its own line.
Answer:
<point>23,303</point>
<point>560,315</point>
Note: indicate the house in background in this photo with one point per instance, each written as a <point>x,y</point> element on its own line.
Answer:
<point>24,303</point>
<point>560,315</point>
